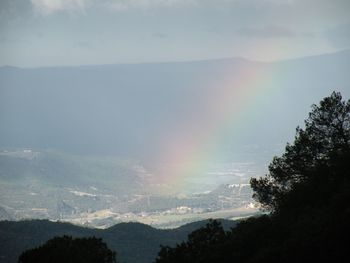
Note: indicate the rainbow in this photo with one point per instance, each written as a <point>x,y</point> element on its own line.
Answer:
<point>187,153</point>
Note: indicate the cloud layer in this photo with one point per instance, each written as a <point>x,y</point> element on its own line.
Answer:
<point>339,36</point>
<point>266,32</point>
<point>127,4</point>
<point>65,32</point>
<point>47,7</point>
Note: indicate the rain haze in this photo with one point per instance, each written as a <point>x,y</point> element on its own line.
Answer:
<point>157,111</point>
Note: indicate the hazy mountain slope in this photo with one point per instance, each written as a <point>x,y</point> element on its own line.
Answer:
<point>56,168</point>
<point>51,184</point>
<point>4,215</point>
<point>124,109</point>
<point>134,242</point>
<point>102,191</point>
<point>132,112</point>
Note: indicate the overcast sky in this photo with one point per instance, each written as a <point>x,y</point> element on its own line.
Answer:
<point>79,32</point>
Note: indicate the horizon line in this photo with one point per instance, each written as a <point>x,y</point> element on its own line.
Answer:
<point>238,58</point>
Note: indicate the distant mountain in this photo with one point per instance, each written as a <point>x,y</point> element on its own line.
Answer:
<point>131,112</point>
<point>28,168</point>
<point>134,110</point>
<point>4,215</point>
<point>134,242</point>
<point>124,109</point>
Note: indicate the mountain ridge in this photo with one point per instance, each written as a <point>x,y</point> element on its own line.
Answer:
<point>223,59</point>
<point>96,109</point>
<point>134,242</point>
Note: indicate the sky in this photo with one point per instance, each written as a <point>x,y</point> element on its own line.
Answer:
<point>37,33</point>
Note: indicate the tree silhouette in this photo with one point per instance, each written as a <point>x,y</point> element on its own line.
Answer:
<point>70,250</point>
<point>198,246</point>
<point>318,150</point>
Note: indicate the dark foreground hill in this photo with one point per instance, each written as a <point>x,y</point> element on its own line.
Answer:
<point>134,242</point>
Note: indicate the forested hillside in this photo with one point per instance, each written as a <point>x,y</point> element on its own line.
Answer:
<point>133,242</point>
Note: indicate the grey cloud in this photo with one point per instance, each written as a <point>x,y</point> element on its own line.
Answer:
<point>45,7</point>
<point>159,35</point>
<point>84,45</point>
<point>12,10</point>
<point>339,36</point>
<point>3,39</point>
<point>266,32</point>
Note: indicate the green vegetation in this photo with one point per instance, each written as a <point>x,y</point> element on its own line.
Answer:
<point>307,192</point>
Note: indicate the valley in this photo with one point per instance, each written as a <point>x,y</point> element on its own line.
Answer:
<point>35,185</point>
